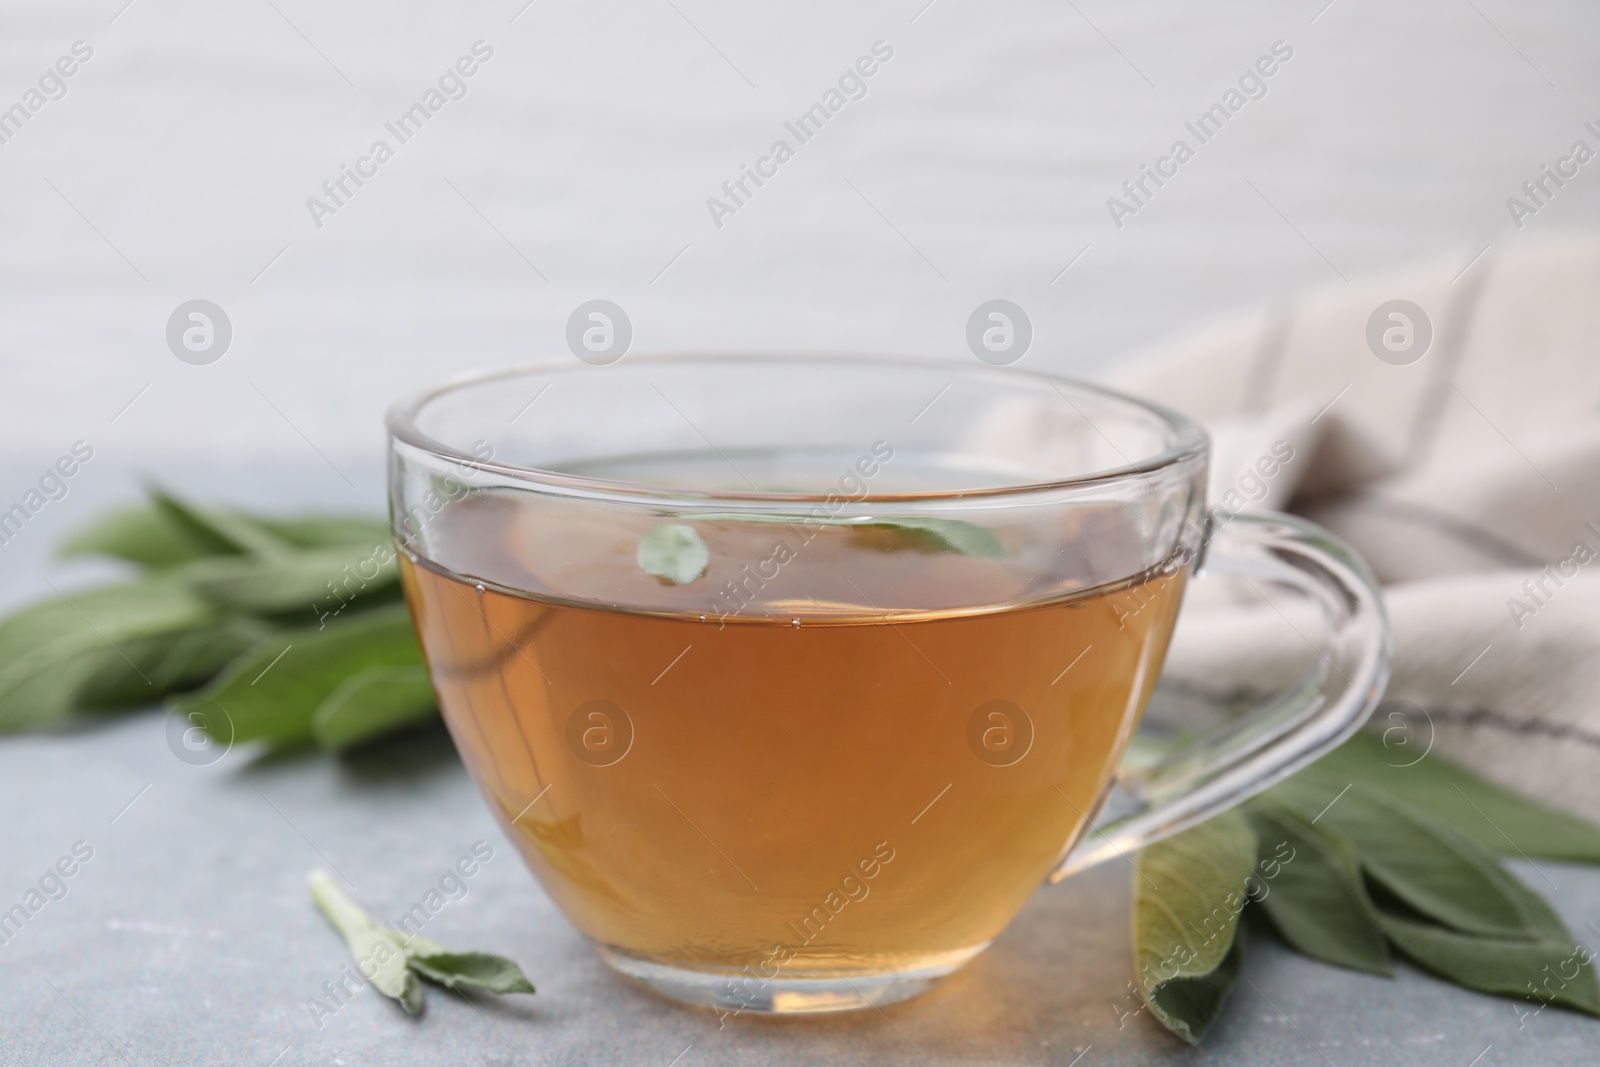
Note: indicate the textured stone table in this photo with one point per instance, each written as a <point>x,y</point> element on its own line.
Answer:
<point>188,938</point>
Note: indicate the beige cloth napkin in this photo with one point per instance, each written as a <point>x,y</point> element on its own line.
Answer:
<point>1469,479</point>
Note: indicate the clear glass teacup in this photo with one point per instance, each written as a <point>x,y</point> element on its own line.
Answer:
<point>792,678</point>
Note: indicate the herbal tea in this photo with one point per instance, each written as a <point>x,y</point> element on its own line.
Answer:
<point>789,723</point>
<point>839,750</point>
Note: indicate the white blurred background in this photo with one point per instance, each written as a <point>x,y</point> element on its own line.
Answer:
<point>978,165</point>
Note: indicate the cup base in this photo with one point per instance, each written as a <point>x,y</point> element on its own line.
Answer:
<point>741,992</point>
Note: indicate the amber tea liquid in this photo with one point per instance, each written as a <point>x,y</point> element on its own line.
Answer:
<point>840,751</point>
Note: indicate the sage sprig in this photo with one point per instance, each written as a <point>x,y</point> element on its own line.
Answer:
<point>285,632</point>
<point>378,951</point>
<point>1353,861</point>
<point>393,961</point>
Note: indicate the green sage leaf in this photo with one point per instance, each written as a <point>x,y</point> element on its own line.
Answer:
<point>272,692</point>
<point>1189,1004</point>
<point>1493,817</point>
<point>1188,892</point>
<point>370,703</point>
<point>319,582</point>
<point>471,970</point>
<point>674,553</point>
<point>159,537</point>
<point>219,532</point>
<point>160,665</point>
<point>56,650</point>
<point>1554,969</point>
<point>324,531</point>
<point>141,535</point>
<point>1318,901</point>
<point>1541,917</point>
<point>1439,872</point>
<point>379,954</point>
<point>941,535</point>
<point>392,961</point>
<point>464,970</point>
<point>914,533</point>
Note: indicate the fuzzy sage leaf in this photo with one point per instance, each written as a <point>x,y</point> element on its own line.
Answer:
<point>1548,971</point>
<point>372,702</point>
<point>1435,870</point>
<point>1319,902</point>
<point>914,533</point>
<point>925,534</point>
<point>392,961</point>
<point>1494,817</point>
<point>1373,874</point>
<point>276,691</point>
<point>307,581</point>
<point>379,955</point>
<point>168,532</point>
<point>106,644</point>
<point>470,970</point>
<point>1188,892</point>
<point>217,533</point>
<point>674,553</point>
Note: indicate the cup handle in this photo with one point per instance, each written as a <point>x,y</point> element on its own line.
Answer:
<point>1233,763</point>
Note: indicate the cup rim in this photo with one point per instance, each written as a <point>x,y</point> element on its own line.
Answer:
<point>1190,440</point>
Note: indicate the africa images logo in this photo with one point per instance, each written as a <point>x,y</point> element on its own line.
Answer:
<point>451,85</point>
<point>1251,85</point>
<point>852,85</point>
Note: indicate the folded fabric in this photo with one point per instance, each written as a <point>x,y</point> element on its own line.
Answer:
<point>1459,452</point>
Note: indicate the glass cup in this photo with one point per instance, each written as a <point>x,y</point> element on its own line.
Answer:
<point>792,678</point>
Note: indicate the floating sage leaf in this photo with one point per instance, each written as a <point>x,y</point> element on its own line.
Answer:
<point>1188,892</point>
<point>1318,901</point>
<point>943,535</point>
<point>379,954</point>
<point>674,553</point>
<point>915,533</point>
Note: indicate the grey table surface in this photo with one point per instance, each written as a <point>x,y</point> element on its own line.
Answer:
<point>189,938</point>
